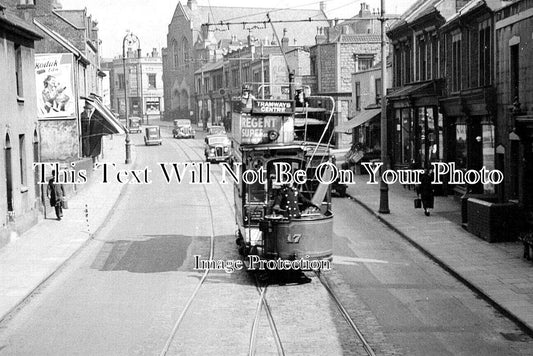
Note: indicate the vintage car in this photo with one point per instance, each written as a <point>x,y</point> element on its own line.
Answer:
<point>183,129</point>
<point>217,148</point>
<point>152,135</point>
<point>135,124</point>
<point>216,129</point>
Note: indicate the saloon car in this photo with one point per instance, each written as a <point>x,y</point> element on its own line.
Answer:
<point>217,148</point>
<point>183,129</point>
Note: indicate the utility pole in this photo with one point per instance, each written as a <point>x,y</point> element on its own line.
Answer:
<point>383,187</point>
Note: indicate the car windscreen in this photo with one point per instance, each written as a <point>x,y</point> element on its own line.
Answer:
<point>218,141</point>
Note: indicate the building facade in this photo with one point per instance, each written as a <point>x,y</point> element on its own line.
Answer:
<point>20,192</point>
<point>144,84</point>
<point>190,46</point>
<point>513,25</point>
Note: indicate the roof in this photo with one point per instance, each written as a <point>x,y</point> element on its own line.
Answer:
<point>365,38</point>
<point>210,66</point>
<point>62,41</point>
<point>416,11</point>
<point>493,5</point>
<point>75,17</point>
<point>303,32</point>
<point>17,25</point>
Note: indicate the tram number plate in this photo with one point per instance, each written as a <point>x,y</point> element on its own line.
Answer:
<point>294,238</point>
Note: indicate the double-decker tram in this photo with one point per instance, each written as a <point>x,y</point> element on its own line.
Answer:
<point>283,201</point>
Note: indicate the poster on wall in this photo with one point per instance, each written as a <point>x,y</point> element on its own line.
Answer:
<point>54,80</point>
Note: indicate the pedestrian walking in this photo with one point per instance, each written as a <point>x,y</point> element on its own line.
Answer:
<point>426,191</point>
<point>56,192</point>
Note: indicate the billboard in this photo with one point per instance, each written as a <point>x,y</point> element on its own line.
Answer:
<point>54,74</point>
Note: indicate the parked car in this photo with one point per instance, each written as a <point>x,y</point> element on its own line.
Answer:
<point>216,129</point>
<point>152,135</point>
<point>135,124</point>
<point>183,129</point>
<point>217,148</point>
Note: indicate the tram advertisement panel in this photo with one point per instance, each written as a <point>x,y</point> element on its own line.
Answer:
<point>255,129</point>
<point>273,107</point>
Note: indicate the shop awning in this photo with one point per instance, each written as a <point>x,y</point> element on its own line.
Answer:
<point>364,116</point>
<point>108,123</point>
<point>408,90</point>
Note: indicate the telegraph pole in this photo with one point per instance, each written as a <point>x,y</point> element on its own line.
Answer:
<point>383,187</point>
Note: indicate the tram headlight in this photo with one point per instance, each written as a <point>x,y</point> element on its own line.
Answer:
<point>273,135</point>
<point>226,149</point>
<point>212,150</point>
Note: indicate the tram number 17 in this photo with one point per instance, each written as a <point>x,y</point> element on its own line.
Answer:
<point>294,239</point>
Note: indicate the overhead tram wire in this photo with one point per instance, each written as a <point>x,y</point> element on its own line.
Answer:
<point>275,10</point>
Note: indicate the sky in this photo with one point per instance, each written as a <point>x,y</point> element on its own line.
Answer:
<point>149,19</point>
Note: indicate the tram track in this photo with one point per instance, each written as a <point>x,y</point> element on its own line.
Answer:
<point>178,322</point>
<point>262,303</point>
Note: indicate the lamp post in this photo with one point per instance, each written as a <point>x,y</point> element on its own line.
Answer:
<point>383,187</point>
<point>131,39</point>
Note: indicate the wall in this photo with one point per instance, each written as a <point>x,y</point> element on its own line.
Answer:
<point>19,117</point>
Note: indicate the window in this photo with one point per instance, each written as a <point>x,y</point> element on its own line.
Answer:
<point>515,80</point>
<point>152,83</point>
<point>18,70</point>
<point>26,2</point>
<point>22,160</point>
<point>484,53</point>
<point>120,81</point>
<point>313,66</point>
<point>456,62</point>
<point>175,53</point>
<point>185,51</point>
<point>358,96</point>
<point>378,90</point>
<point>422,59</point>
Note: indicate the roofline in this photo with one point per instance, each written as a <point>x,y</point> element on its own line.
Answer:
<point>23,31</point>
<point>67,21</point>
<point>63,42</point>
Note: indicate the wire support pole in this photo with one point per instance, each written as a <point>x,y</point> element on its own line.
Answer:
<point>383,186</point>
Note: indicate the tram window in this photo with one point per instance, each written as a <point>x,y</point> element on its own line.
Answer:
<point>256,192</point>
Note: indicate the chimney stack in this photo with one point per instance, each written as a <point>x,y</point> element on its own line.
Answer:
<point>192,4</point>
<point>323,6</point>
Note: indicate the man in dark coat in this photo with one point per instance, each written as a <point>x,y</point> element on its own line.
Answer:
<point>426,191</point>
<point>287,202</point>
<point>55,192</point>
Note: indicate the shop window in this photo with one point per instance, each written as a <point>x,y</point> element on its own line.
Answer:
<point>460,146</point>
<point>487,137</point>
<point>404,137</point>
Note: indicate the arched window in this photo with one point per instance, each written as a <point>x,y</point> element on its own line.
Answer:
<point>185,51</point>
<point>184,100</point>
<point>175,53</point>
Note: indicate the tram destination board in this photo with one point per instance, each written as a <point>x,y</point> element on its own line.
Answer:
<point>273,107</point>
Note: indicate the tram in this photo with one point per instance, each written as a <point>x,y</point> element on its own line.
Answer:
<point>278,139</point>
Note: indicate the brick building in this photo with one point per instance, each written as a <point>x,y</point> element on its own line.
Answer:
<point>189,46</point>
<point>341,50</point>
<point>513,26</point>
<point>18,126</point>
<point>71,44</point>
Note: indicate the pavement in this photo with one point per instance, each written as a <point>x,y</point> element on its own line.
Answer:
<point>30,259</point>
<point>495,271</point>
